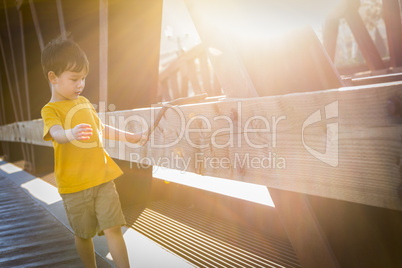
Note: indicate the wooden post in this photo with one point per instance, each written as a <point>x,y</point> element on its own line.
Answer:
<point>25,148</point>
<point>103,56</point>
<point>14,104</point>
<point>5,147</point>
<point>14,66</point>
<point>30,148</point>
<point>303,229</point>
<point>36,23</point>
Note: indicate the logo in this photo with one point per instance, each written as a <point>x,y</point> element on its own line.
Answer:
<point>330,156</point>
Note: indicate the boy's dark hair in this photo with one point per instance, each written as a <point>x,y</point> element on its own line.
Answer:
<point>63,55</point>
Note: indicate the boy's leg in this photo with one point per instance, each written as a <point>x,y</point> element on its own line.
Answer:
<point>85,248</point>
<point>117,246</point>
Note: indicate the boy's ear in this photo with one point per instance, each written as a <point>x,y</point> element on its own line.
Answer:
<point>52,77</point>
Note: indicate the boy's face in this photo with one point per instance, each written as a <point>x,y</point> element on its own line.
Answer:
<point>68,85</point>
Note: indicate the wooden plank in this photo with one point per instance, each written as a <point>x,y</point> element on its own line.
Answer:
<point>386,78</point>
<point>32,132</point>
<point>364,169</point>
<point>9,133</point>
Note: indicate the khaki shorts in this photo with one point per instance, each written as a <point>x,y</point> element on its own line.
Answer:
<point>93,210</point>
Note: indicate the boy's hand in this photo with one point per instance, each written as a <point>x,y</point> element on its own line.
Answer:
<point>80,132</point>
<point>140,138</point>
<point>144,138</point>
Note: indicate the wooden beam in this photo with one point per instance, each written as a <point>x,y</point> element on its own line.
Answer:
<point>134,31</point>
<point>13,62</point>
<point>236,82</point>
<point>14,104</point>
<point>25,148</point>
<point>392,20</point>
<point>354,156</point>
<point>37,29</point>
<point>303,229</point>
<point>30,163</point>
<point>227,64</point>
<point>364,41</point>
<point>206,74</point>
<point>61,19</point>
<point>24,64</point>
<point>330,36</point>
<point>386,78</point>
<point>36,23</point>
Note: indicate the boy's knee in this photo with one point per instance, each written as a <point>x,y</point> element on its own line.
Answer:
<point>113,230</point>
<point>82,239</point>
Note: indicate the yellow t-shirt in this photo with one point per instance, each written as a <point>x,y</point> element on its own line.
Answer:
<point>79,165</point>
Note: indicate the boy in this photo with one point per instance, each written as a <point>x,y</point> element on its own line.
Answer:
<point>84,171</point>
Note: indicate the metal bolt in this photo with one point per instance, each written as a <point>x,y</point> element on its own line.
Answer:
<point>241,170</point>
<point>394,106</point>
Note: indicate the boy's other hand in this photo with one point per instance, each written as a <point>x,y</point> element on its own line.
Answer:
<point>82,132</point>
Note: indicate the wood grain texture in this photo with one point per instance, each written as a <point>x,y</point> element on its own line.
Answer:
<point>351,153</point>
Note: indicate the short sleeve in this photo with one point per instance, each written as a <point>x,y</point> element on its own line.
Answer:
<point>101,126</point>
<point>50,119</point>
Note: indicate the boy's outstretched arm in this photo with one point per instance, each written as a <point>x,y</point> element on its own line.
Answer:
<point>112,133</point>
<point>79,132</point>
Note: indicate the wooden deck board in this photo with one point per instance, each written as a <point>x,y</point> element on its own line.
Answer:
<point>30,236</point>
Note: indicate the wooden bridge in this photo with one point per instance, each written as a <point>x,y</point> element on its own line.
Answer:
<point>324,141</point>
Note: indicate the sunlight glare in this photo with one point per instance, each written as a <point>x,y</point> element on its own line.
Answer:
<point>267,20</point>
<point>242,190</point>
<point>10,168</point>
<point>42,191</point>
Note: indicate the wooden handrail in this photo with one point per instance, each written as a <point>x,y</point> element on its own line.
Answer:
<point>215,138</point>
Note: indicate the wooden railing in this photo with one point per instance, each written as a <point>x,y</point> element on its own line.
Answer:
<point>288,132</point>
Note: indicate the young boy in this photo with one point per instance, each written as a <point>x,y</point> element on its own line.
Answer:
<point>84,171</point>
